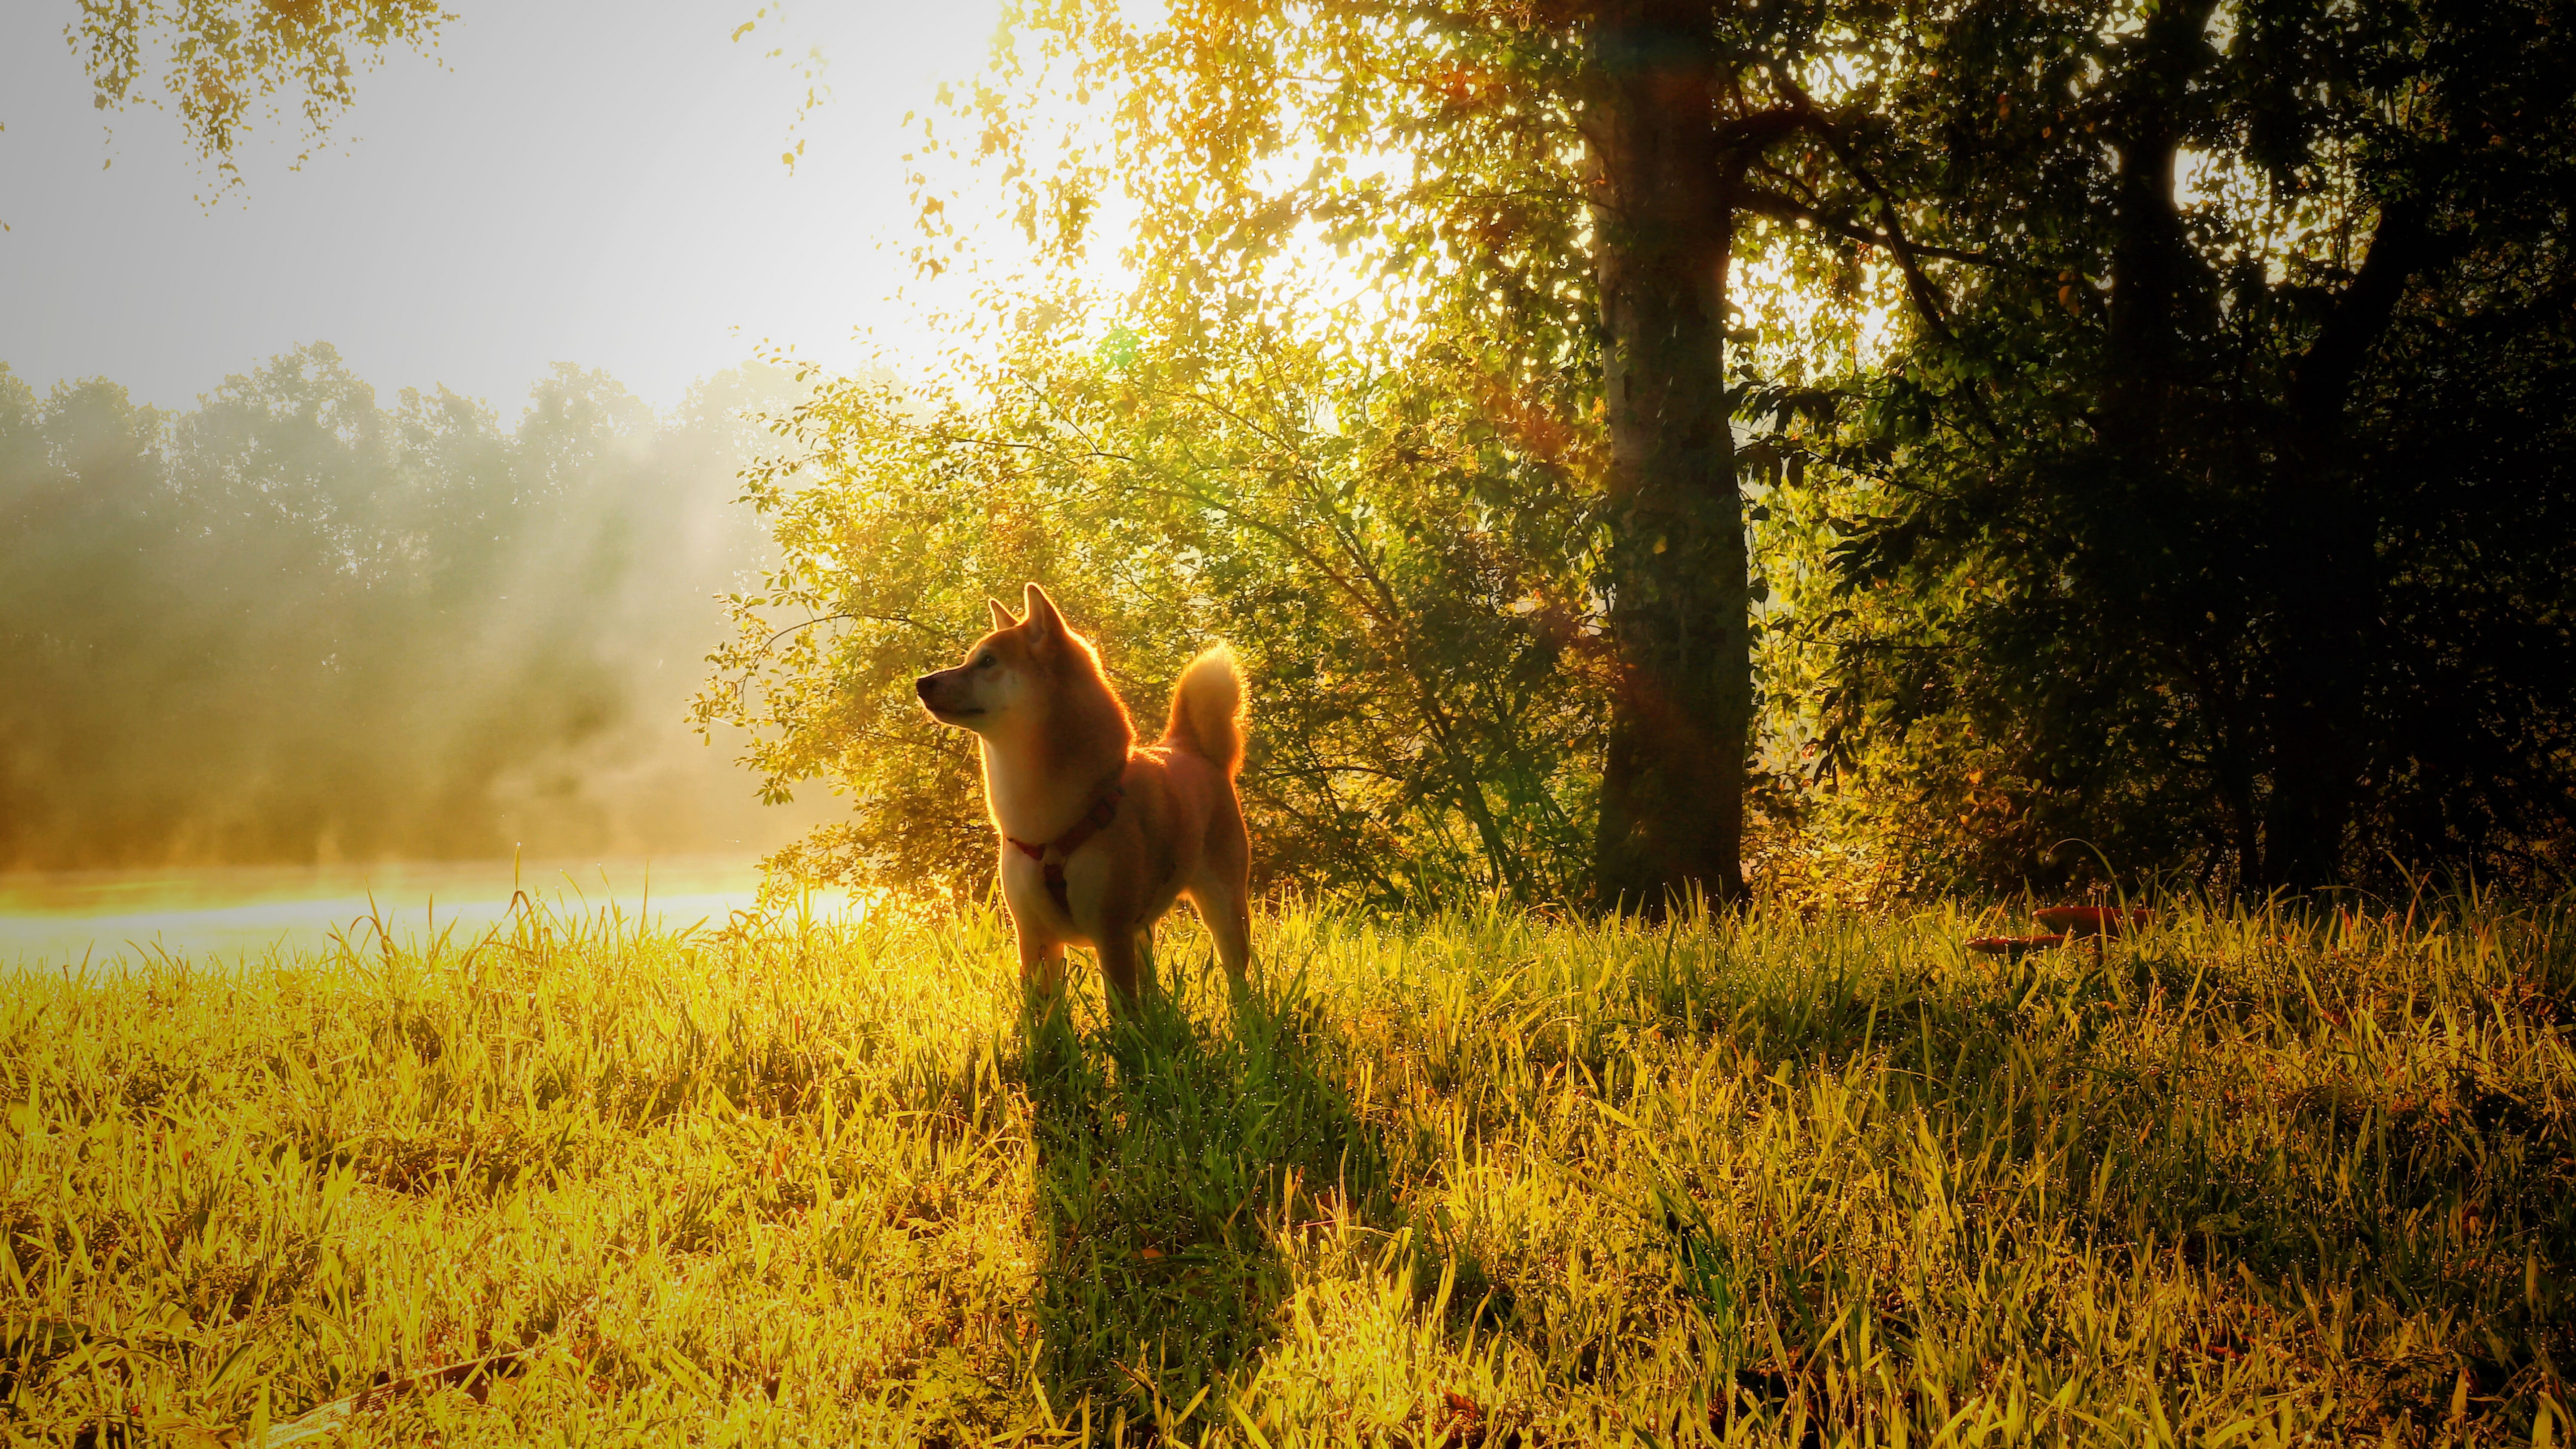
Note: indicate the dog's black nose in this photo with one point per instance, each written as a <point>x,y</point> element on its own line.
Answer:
<point>921,686</point>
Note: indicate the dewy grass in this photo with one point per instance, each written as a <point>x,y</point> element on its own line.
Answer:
<point>1477,1178</point>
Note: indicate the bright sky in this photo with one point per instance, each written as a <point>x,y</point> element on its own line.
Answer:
<point>594,181</point>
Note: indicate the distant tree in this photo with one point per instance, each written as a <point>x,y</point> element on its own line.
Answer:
<point>217,63</point>
<point>292,624</point>
<point>85,508</point>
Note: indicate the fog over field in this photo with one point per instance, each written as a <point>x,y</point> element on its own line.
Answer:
<point>305,623</point>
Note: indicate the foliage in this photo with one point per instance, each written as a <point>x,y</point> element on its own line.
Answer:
<point>1558,189</point>
<point>2204,505</point>
<point>1400,575</point>
<point>1397,201</point>
<point>2214,514</point>
<point>295,624</point>
<point>2249,1178</point>
<point>217,61</point>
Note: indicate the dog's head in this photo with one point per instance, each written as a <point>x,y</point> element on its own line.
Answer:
<point>1006,673</point>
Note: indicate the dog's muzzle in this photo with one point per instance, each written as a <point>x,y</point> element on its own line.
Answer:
<point>927,686</point>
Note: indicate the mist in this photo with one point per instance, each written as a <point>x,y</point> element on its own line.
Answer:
<point>298,625</point>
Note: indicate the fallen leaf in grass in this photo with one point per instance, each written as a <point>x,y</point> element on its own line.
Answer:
<point>2093,920</point>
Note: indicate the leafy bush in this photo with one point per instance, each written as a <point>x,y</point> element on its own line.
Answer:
<point>1403,577</point>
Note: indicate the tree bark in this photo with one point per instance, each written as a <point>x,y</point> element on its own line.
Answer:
<point>2154,271</point>
<point>1672,789</point>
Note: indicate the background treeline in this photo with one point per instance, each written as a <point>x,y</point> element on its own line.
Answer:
<point>293,624</point>
<point>2146,426</point>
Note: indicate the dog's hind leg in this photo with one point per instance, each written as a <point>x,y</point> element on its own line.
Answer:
<point>1145,957</point>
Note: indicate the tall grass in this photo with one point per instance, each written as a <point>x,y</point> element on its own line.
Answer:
<point>1475,1178</point>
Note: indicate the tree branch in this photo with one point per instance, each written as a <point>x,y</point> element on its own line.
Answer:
<point>1926,298</point>
<point>1783,208</point>
<point>2401,245</point>
<point>828,618</point>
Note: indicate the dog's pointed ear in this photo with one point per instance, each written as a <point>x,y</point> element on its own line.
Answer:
<point>1002,618</point>
<point>1044,621</point>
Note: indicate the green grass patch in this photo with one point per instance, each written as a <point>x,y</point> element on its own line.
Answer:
<point>1478,1179</point>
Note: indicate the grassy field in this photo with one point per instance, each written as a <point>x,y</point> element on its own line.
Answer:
<point>1480,1179</point>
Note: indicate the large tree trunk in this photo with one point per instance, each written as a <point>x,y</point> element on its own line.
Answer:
<point>1672,790</point>
<point>2324,626</point>
<point>2157,281</point>
<point>2324,536</point>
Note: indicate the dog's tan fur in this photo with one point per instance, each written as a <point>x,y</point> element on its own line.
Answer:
<point>1054,736</point>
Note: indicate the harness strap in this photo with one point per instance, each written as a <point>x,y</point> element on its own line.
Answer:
<point>1104,808</point>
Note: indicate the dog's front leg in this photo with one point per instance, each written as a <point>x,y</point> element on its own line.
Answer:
<point>1126,969</point>
<point>1041,966</point>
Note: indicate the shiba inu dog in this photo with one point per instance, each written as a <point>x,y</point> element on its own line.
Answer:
<point>1099,834</point>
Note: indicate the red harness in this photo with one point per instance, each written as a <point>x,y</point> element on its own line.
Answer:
<point>1104,808</point>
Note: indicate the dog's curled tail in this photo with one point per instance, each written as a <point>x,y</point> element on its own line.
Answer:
<point>1207,710</point>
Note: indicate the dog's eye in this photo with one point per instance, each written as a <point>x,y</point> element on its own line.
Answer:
<point>987,662</point>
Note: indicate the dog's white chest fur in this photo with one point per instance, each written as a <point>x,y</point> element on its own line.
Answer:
<point>1020,796</point>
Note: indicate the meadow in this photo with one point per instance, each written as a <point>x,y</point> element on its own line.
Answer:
<point>1477,1178</point>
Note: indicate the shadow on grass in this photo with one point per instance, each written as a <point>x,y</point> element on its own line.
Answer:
<point>1175,1157</point>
